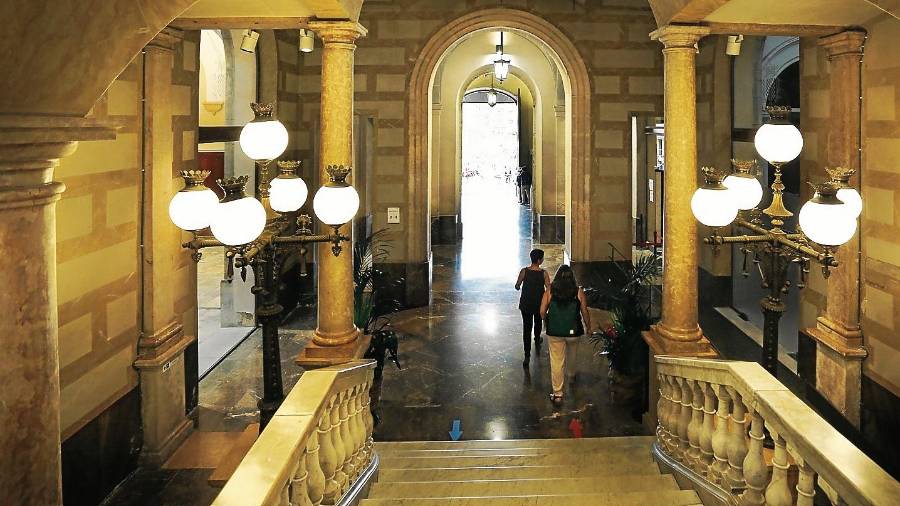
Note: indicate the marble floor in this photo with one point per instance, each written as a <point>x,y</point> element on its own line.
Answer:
<point>461,358</point>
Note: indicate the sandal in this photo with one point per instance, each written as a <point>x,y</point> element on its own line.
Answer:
<point>556,398</point>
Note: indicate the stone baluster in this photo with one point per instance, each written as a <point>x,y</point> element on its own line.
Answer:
<point>684,421</point>
<point>338,443</point>
<point>720,437</point>
<point>674,410</point>
<point>299,489</point>
<point>737,441</point>
<point>706,431</point>
<point>284,498</point>
<point>315,484</point>
<point>369,422</point>
<point>661,406</point>
<point>358,429</point>
<point>348,468</point>
<point>778,493</point>
<point>755,472</point>
<point>806,484</point>
<point>695,426</point>
<point>328,457</point>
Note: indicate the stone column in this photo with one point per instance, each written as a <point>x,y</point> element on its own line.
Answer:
<point>678,332</point>
<point>839,350</point>
<point>162,341</point>
<point>30,148</point>
<point>335,324</point>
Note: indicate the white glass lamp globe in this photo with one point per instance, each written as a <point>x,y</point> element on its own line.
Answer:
<point>778,141</point>
<point>193,209</point>
<point>286,195</point>
<point>501,68</point>
<point>851,198</point>
<point>238,219</point>
<point>714,207</point>
<point>264,138</point>
<point>746,191</point>
<point>336,205</point>
<point>827,224</point>
<point>492,98</point>
<point>193,206</point>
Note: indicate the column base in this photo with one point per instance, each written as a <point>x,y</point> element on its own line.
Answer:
<point>315,356</point>
<point>666,341</point>
<point>839,372</point>
<point>847,337</point>
<point>325,340</point>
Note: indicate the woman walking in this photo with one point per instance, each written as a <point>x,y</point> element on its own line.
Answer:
<point>533,280</point>
<point>564,309</point>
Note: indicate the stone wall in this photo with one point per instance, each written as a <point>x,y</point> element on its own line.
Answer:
<point>625,67</point>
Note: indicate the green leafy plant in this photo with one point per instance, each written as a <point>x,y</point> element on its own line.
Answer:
<point>369,280</point>
<point>629,303</point>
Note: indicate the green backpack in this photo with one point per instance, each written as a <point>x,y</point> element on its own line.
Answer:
<point>563,319</point>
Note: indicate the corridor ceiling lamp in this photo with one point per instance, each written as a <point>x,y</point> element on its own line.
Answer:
<point>192,208</point>
<point>847,194</point>
<point>287,192</point>
<point>778,141</point>
<point>307,41</point>
<point>501,63</point>
<point>743,185</point>
<point>264,138</point>
<point>733,46</point>
<point>713,204</point>
<point>248,42</point>
<point>238,219</point>
<point>825,219</point>
<point>492,94</point>
<point>336,202</point>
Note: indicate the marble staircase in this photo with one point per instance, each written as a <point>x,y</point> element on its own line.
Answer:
<point>598,472</point>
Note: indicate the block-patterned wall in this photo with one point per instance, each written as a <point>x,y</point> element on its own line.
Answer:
<point>880,183</point>
<point>612,37</point>
<point>98,220</point>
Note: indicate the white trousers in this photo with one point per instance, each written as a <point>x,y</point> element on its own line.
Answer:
<point>563,356</point>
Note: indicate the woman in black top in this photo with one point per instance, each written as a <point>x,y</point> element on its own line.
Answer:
<point>533,280</point>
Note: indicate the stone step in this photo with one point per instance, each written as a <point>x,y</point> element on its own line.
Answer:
<point>644,498</point>
<point>591,460</point>
<point>535,487</point>
<point>515,472</point>
<point>580,443</point>
<point>486,452</point>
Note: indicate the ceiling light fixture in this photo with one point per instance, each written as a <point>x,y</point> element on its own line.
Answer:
<point>733,46</point>
<point>501,63</point>
<point>307,41</point>
<point>248,42</point>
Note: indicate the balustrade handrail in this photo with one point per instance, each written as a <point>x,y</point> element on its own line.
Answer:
<point>316,446</point>
<point>705,410</point>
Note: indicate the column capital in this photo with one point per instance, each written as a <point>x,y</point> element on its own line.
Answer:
<point>338,32</point>
<point>167,39</point>
<point>680,36</point>
<point>848,43</point>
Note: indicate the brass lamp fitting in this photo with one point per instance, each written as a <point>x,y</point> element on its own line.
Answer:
<point>287,169</point>
<point>744,168</point>
<point>234,188</point>
<point>840,176</point>
<point>712,179</point>
<point>262,111</point>
<point>826,193</point>
<point>193,179</point>
<point>779,114</point>
<point>337,176</point>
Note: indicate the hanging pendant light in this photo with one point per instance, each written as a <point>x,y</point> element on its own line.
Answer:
<point>743,185</point>
<point>238,219</point>
<point>192,208</point>
<point>713,204</point>
<point>825,219</point>
<point>501,63</point>
<point>265,138</point>
<point>778,141</point>
<point>287,192</point>
<point>336,202</point>
<point>492,94</point>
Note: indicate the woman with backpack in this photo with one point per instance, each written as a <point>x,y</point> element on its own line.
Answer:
<point>565,313</point>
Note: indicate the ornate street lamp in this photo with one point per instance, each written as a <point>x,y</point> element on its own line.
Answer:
<point>262,234</point>
<point>826,221</point>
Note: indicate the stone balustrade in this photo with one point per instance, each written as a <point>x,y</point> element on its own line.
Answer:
<point>714,418</point>
<point>318,447</point>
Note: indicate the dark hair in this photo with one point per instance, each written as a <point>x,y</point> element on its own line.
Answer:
<point>536,255</point>
<point>564,287</point>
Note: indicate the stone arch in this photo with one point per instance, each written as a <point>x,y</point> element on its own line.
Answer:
<point>578,86</point>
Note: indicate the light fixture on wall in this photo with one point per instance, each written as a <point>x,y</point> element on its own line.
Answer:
<point>248,42</point>
<point>733,46</point>
<point>501,62</point>
<point>826,221</point>
<point>307,41</point>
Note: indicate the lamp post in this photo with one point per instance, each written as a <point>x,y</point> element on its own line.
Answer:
<point>262,234</point>
<point>826,221</point>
